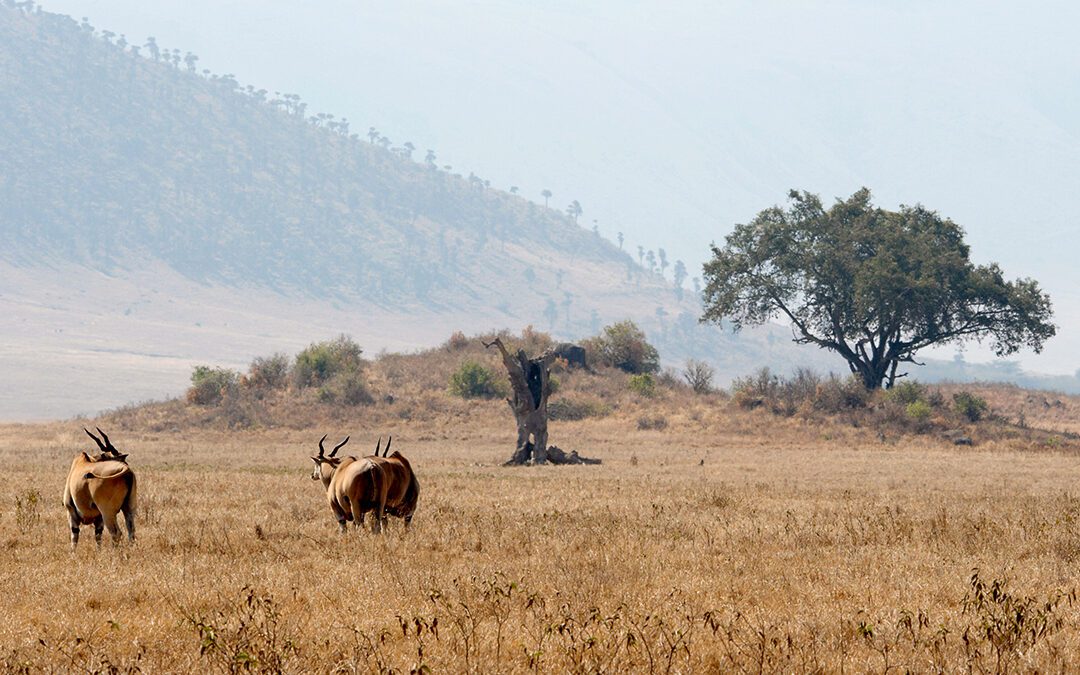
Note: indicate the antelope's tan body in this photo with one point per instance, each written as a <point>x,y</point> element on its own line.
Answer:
<point>97,489</point>
<point>355,486</point>
<point>358,486</point>
<point>402,488</point>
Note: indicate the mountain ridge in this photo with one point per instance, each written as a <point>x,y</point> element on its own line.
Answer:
<point>153,209</point>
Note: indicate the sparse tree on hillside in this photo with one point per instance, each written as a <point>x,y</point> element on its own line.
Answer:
<point>152,47</point>
<point>641,255</point>
<point>373,135</point>
<point>679,273</point>
<point>546,194</point>
<point>662,255</point>
<point>430,158</point>
<point>574,210</point>
<point>513,189</point>
<point>409,149</point>
<point>650,258</point>
<point>874,286</point>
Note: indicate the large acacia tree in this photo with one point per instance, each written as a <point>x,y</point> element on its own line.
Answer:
<point>874,286</point>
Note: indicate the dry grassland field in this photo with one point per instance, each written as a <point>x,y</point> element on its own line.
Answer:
<point>729,540</point>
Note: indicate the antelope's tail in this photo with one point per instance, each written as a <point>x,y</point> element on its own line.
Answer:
<point>131,499</point>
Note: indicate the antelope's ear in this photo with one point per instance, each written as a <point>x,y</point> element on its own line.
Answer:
<point>119,458</point>
<point>315,459</point>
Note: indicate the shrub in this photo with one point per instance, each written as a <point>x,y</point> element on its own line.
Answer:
<point>27,512</point>
<point>970,406</point>
<point>321,361</point>
<point>906,393</point>
<point>457,342</point>
<point>347,388</point>
<point>623,345</point>
<point>209,385</point>
<point>918,411</point>
<point>270,372</point>
<point>473,380</point>
<point>699,375</point>
<point>668,378</point>
<point>642,385</point>
<point>836,394</point>
<point>802,386</point>
<point>249,634</point>
<point>754,390</point>
<point>534,341</point>
<point>646,422</point>
<point>1013,623</point>
<point>569,409</point>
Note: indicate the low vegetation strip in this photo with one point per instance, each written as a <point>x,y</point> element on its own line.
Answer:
<point>332,383</point>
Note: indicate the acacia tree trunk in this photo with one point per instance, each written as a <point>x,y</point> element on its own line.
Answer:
<point>530,380</point>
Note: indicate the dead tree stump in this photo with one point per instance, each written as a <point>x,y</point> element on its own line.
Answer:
<point>530,380</point>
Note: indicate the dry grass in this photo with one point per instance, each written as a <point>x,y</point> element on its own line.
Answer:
<point>729,540</point>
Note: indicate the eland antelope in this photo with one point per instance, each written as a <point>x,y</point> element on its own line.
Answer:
<point>354,486</point>
<point>99,487</point>
<point>403,490</point>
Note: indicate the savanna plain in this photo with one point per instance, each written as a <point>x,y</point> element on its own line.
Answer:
<point>712,538</point>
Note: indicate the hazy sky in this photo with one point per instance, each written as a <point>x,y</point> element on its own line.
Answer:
<point>672,122</point>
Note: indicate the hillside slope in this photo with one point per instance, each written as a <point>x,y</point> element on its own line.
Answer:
<point>155,216</point>
<point>110,157</point>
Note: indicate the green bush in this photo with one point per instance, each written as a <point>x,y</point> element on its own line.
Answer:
<point>906,393</point>
<point>321,361</point>
<point>569,409</point>
<point>553,384</point>
<point>970,406</point>
<point>474,380</point>
<point>269,372</point>
<point>919,411</point>
<point>209,385</point>
<point>642,385</point>
<point>623,345</point>
<point>346,388</point>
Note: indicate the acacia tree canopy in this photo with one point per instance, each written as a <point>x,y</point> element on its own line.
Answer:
<point>873,285</point>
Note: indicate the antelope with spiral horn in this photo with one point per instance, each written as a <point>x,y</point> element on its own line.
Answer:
<point>99,487</point>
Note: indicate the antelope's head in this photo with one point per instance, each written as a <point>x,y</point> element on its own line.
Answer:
<point>108,450</point>
<point>324,460</point>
